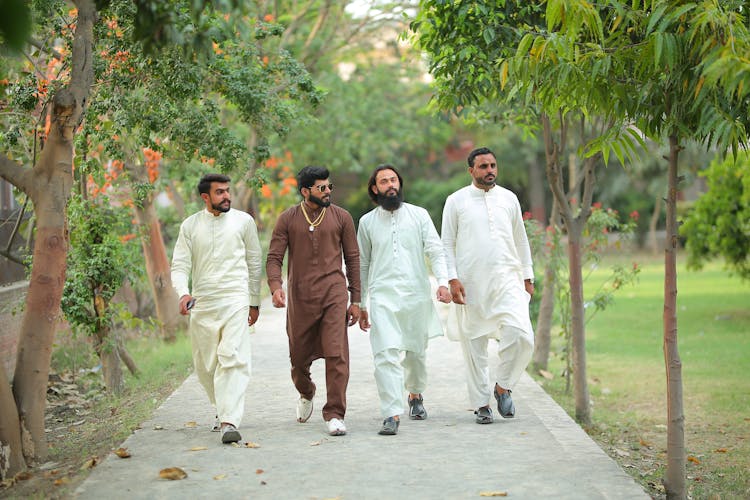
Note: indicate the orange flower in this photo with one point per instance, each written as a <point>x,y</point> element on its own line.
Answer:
<point>127,237</point>
<point>290,181</point>
<point>265,191</point>
<point>268,18</point>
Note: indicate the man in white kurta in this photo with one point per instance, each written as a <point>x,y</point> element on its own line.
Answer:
<point>394,240</point>
<point>491,280</point>
<point>219,249</point>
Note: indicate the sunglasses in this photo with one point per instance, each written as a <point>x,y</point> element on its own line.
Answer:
<point>322,187</point>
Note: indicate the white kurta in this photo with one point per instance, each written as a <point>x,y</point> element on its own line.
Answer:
<point>488,251</point>
<point>393,246</point>
<point>222,255</point>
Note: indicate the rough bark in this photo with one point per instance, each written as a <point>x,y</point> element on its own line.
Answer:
<point>48,184</point>
<point>674,477</point>
<point>157,262</point>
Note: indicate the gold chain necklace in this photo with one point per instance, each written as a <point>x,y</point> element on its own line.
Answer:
<point>313,223</point>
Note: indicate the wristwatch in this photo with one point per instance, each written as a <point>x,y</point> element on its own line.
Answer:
<point>356,304</point>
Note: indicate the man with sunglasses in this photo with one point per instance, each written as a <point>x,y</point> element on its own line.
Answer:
<point>318,236</point>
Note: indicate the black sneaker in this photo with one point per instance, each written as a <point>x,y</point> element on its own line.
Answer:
<point>484,415</point>
<point>505,405</point>
<point>390,427</point>
<point>416,409</point>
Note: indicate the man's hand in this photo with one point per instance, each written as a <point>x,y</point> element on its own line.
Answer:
<point>529,287</point>
<point>252,316</point>
<point>443,295</point>
<point>352,314</point>
<point>458,293</point>
<point>279,298</point>
<point>364,320</point>
<point>183,304</point>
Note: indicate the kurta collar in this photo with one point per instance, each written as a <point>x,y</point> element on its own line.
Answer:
<point>477,190</point>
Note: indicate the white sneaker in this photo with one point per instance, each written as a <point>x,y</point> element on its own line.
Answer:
<point>304,409</point>
<point>336,427</point>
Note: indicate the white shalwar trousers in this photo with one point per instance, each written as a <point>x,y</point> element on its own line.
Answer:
<point>221,357</point>
<point>514,352</point>
<point>394,373</point>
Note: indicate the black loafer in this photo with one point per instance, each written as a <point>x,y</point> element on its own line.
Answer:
<point>416,409</point>
<point>505,405</point>
<point>484,415</point>
<point>390,427</point>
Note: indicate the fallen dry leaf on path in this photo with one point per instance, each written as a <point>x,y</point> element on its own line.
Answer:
<point>90,463</point>
<point>691,458</point>
<point>250,444</point>
<point>720,450</point>
<point>122,453</point>
<point>198,448</point>
<point>259,471</point>
<point>219,477</point>
<point>172,473</point>
<point>644,443</point>
<point>61,481</point>
<point>191,424</point>
<point>546,374</point>
<point>493,493</point>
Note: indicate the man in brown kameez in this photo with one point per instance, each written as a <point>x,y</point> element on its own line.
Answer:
<point>318,235</point>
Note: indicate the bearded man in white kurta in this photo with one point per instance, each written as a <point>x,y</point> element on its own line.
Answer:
<point>219,248</point>
<point>491,281</point>
<point>394,240</point>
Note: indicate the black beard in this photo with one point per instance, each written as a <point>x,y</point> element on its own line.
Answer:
<point>220,208</point>
<point>319,201</point>
<point>390,203</point>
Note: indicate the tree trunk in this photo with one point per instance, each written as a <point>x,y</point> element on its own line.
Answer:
<point>157,262</point>
<point>11,454</point>
<point>48,184</point>
<point>49,193</point>
<point>578,324</point>
<point>674,477</point>
<point>543,334</point>
<point>105,345</point>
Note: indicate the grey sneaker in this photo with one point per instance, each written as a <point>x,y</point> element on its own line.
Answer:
<point>416,409</point>
<point>484,415</point>
<point>505,405</point>
<point>390,427</point>
<point>230,434</point>
<point>217,425</point>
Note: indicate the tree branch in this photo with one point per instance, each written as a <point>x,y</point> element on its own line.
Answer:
<point>15,174</point>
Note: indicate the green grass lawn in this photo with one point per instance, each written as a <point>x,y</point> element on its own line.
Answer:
<point>627,377</point>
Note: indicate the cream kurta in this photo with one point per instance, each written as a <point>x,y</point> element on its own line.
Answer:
<point>393,246</point>
<point>223,256</point>
<point>488,251</point>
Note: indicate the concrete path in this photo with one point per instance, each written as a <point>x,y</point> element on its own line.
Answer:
<point>541,453</point>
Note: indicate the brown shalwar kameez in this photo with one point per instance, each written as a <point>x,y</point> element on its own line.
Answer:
<point>317,296</point>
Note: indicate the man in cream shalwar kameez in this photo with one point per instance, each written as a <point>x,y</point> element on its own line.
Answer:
<point>394,239</point>
<point>491,279</point>
<point>219,248</point>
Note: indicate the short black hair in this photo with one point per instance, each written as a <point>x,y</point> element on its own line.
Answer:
<point>204,185</point>
<point>372,181</point>
<point>477,152</point>
<point>308,175</point>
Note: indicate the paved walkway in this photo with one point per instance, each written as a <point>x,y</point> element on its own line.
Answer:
<point>541,453</point>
